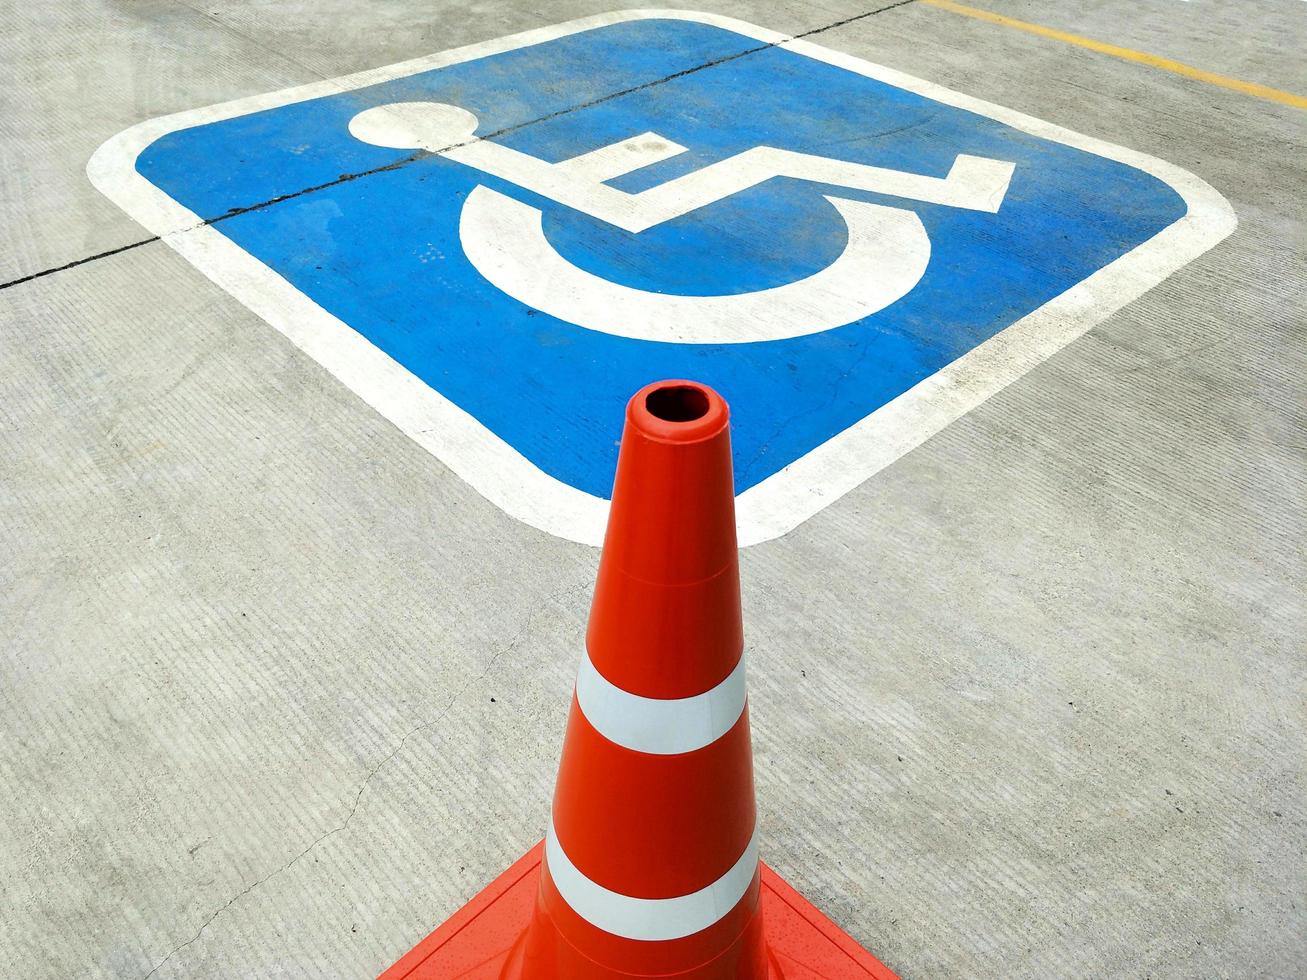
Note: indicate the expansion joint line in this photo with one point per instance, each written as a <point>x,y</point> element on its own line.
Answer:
<point>517,127</point>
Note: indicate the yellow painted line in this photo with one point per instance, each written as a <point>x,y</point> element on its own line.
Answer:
<point>1127,54</point>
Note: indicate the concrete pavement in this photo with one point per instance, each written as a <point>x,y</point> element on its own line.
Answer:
<point>279,691</point>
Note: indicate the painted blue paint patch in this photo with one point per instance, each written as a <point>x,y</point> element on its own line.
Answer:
<point>382,252</point>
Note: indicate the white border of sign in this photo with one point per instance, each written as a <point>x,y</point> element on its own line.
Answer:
<point>782,501</point>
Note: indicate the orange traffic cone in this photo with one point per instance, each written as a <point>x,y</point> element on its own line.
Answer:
<point>650,865</point>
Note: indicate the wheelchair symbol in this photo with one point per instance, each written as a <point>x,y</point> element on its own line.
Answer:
<point>885,255</point>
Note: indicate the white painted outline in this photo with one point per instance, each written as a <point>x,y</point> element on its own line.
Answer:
<point>785,499</point>
<point>659,726</point>
<point>649,919</point>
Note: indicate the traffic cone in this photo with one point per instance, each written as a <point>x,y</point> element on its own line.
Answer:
<point>650,864</point>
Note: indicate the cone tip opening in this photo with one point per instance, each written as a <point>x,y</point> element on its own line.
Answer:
<point>677,411</point>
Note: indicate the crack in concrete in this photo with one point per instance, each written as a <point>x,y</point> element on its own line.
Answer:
<point>789,420</point>
<point>423,154</point>
<point>506,648</point>
<point>1154,363</point>
<point>76,262</point>
<point>231,29</point>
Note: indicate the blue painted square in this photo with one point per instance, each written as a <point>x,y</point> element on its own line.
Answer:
<point>383,254</point>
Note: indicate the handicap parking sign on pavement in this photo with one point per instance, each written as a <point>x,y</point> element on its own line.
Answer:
<point>496,246</point>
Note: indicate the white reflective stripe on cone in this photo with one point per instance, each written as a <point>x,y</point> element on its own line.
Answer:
<point>649,919</point>
<point>655,725</point>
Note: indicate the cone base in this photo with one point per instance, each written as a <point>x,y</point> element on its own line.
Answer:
<point>475,942</point>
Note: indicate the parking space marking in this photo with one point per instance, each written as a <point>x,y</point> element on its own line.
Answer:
<point>1127,54</point>
<point>1006,238</point>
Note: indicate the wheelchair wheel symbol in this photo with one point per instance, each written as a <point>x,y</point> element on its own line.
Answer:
<point>885,255</point>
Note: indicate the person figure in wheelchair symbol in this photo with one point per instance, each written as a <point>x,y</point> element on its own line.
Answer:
<point>885,255</point>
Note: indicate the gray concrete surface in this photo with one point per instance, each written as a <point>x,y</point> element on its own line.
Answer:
<point>1028,703</point>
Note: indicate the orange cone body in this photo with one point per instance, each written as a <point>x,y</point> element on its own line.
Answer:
<point>650,864</point>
